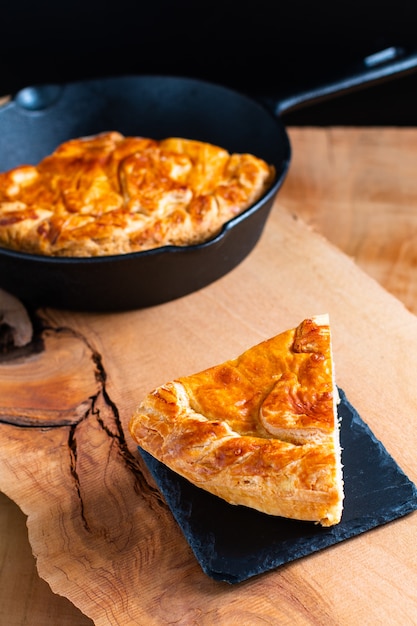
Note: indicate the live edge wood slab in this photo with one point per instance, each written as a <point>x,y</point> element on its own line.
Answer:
<point>102,536</point>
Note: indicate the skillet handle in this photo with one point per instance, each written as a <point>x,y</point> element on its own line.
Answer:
<point>377,68</point>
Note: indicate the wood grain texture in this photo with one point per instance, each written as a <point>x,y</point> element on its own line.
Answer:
<point>358,187</point>
<point>100,532</point>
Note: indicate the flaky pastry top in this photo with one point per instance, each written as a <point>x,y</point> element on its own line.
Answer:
<point>110,194</point>
<point>260,430</point>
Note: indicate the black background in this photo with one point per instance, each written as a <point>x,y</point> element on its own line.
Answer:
<point>265,49</point>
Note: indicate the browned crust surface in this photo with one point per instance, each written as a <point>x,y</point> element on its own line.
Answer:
<point>260,430</point>
<point>109,194</point>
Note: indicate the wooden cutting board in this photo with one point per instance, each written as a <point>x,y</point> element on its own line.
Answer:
<point>102,535</point>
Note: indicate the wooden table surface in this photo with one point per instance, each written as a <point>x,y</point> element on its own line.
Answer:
<point>357,188</point>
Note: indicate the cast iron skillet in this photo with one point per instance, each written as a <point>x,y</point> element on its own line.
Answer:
<point>39,118</point>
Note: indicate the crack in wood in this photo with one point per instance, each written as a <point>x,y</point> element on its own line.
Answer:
<point>71,418</point>
<point>143,484</point>
<point>72,446</point>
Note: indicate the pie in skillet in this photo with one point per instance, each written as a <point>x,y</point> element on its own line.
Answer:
<point>110,194</point>
<point>260,430</point>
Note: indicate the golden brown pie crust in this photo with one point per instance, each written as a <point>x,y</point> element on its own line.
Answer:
<point>260,430</point>
<point>109,194</point>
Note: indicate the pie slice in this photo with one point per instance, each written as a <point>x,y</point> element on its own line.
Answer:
<point>260,430</point>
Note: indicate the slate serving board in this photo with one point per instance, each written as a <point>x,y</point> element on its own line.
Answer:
<point>234,543</point>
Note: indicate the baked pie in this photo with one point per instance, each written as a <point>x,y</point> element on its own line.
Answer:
<point>110,194</point>
<point>260,430</point>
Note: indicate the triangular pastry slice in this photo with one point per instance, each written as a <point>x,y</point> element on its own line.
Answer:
<point>260,430</point>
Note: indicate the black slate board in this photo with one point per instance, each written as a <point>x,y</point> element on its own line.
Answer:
<point>233,543</point>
